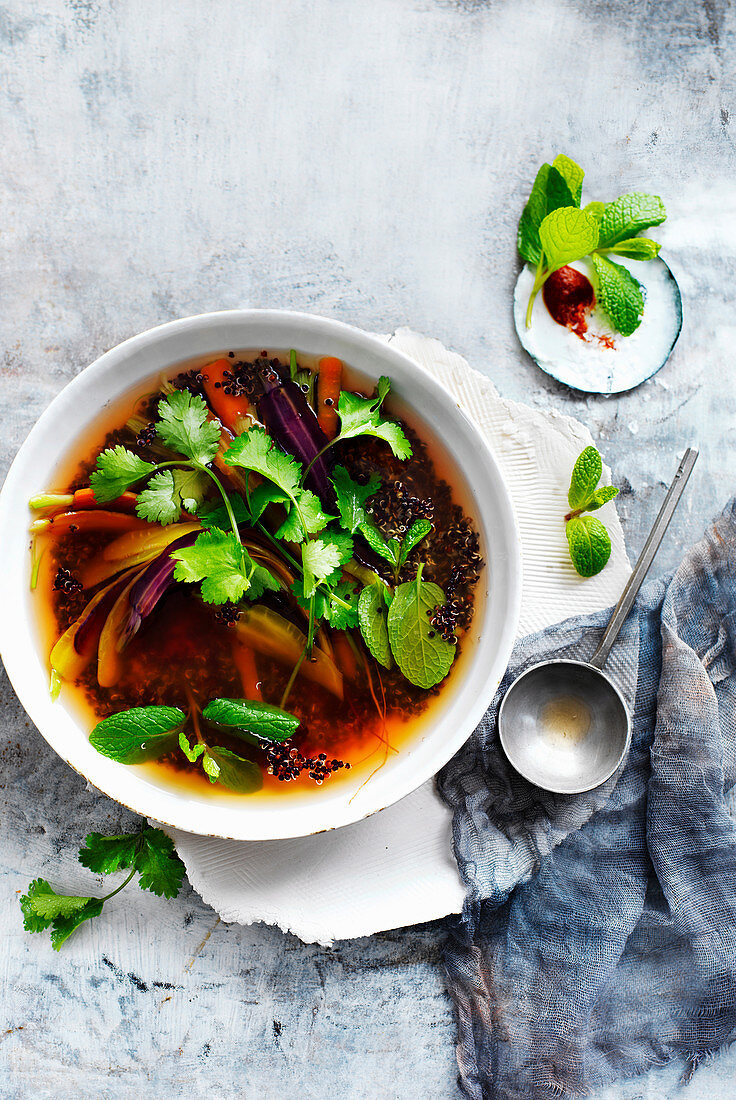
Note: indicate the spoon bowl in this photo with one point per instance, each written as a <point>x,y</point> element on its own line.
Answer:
<point>564,726</point>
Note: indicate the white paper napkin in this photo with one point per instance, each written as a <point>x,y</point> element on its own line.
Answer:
<point>397,867</point>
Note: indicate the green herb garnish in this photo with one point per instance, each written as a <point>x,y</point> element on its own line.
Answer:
<point>554,231</point>
<point>373,606</point>
<point>419,649</point>
<point>587,538</point>
<point>149,852</point>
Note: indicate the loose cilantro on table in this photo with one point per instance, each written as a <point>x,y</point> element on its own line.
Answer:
<point>587,538</point>
<point>149,853</point>
<point>555,231</point>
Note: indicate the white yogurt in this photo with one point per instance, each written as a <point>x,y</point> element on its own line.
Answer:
<point>588,364</point>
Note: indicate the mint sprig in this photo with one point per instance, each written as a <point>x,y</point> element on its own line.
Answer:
<point>554,231</point>
<point>149,853</point>
<point>588,540</point>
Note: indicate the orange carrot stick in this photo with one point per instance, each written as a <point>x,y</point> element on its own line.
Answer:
<point>329,381</point>
<point>68,523</point>
<point>245,662</point>
<point>234,412</point>
<point>83,499</point>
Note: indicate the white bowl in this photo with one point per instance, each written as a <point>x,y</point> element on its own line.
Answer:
<point>485,652</point>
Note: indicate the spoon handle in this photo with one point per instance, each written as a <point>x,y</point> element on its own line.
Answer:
<point>647,556</point>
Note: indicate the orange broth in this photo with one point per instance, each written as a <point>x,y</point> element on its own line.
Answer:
<point>182,650</point>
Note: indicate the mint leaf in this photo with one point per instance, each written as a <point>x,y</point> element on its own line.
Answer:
<point>572,174</point>
<point>628,215</point>
<point>589,543</point>
<point>351,497</point>
<point>595,209</point>
<point>159,501</point>
<point>361,416</point>
<point>550,191</point>
<point>185,427</point>
<point>192,752</point>
<point>601,496</point>
<point>233,771</point>
<point>106,854</point>
<point>586,473</point>
<point>419,530</point>
<point>261,719</point>
<point>636,248</point>
<point>220,562</point>
<point>373,607</point>
<point>389,549</point>
<point>117,469</point>
<point>566,235</point>
<point>421,653</point>
<point>138,734</point>
<point>619,294</point>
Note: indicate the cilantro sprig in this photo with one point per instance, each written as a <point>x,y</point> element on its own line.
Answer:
<point>149,853</point>
<point>587,538</point>
<point>554,231</point>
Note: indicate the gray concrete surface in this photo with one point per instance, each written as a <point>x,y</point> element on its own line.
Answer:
<point>365,160</point>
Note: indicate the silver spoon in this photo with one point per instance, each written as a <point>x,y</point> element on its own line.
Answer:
<point>564,724</point>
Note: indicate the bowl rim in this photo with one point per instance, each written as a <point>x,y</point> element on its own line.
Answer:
<point>336,815</point>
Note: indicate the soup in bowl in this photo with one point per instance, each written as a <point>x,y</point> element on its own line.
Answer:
<point>273,576</point>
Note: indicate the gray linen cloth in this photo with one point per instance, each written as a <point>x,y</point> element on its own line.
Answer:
<point>598,937</point>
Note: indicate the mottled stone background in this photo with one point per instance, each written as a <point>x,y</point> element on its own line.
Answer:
<point>365,159</point>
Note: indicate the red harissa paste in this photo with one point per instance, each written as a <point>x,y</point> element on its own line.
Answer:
<point>569,297</point>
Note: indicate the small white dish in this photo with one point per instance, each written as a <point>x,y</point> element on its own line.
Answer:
<point>485,652</point>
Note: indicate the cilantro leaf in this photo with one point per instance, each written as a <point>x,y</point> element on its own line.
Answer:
<point>589,544</point>
<point>550,191</point>
<point>191,488</point>
<point>42,908</point>
<point>219,561</point>
<point>351,497</point>
<point>159,868</point>
<point>373,605</point>
<point>319,560</point>
<point>628,215</point>
<point>262,580</point>
<point>261,719</point>
<point>32,920</point>
<point>254,450</point>
<point>566,235</point>
<point>307,513</point>
<point>106,854</point>
<point>264,494</point>
<point>338,616</point>
<point>158,502</point>
<point>117,469</point>
<point>213,514</point>
<point>137,734</point>
<point>361,416</point>
<point>619,294</point>
<point>185,427</point>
